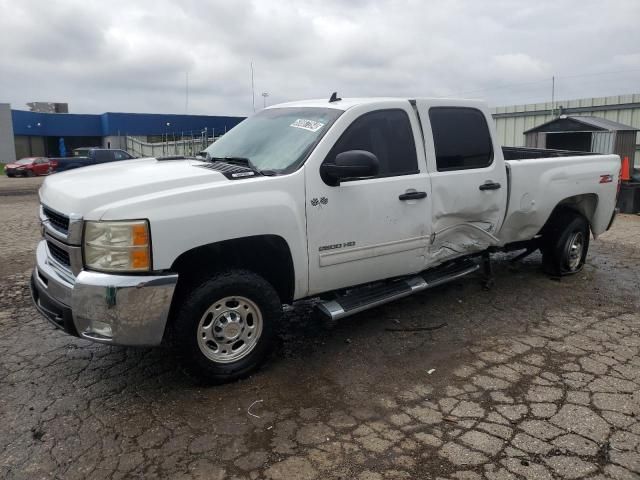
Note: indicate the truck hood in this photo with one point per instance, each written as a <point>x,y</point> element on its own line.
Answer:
<point>86,189</point>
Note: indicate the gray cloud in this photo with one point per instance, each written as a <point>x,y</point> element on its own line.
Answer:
<point>133,56</point>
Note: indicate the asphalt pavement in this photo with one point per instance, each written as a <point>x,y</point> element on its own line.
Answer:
<point>536,378</point>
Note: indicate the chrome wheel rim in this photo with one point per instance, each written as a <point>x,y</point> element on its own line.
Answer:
<point>574,250</point>
<point>230,329</point>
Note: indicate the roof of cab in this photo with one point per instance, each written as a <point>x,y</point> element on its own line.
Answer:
<point>347,103</point>
<point>342,104</point>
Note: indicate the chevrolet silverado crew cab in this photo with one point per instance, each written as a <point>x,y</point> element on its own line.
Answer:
<point>355,202</point>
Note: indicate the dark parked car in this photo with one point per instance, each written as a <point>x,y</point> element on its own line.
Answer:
<point>30,167</point>
<point>83,157</point>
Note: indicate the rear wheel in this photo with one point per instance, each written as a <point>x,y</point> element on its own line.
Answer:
<point>225,326</point>
<point>565,244</point>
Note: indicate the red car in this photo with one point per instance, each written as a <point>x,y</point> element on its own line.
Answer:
<point>30,167</point>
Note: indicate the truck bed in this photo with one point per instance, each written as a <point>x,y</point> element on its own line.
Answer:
<point>586,181</point>
<point>527,153</point>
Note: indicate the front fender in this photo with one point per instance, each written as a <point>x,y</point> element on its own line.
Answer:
<point>183,219</point>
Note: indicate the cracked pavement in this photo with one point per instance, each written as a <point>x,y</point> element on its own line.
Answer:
<point>534,379</point>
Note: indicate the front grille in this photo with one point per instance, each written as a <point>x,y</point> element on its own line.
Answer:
<point>57,220</point>
<point>60,255</point>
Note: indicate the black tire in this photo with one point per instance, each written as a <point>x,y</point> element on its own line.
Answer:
<point>187,330</point>
<point>565,243</point>
<point>10,175</point>
<point>30,173</point>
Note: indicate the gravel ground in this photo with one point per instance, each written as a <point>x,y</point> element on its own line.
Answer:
<point>534,379</point>
<point>19,185</point>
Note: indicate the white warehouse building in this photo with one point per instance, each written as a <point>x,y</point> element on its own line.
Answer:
<point>513,121</point>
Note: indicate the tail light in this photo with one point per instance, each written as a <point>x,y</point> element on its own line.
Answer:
<point>619,182</point>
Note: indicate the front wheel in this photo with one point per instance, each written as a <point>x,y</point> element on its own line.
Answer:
<point>30,173</point>
<point>225,326</point>
<point>565,244</point>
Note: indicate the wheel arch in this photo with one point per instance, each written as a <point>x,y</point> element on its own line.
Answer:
<point>267,255</point>
<point>585,204</point>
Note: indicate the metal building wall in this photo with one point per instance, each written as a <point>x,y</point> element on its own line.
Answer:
<point>624,145</point>
<point>512,121</point>
<point>7,151</point>
<point>603,142</point>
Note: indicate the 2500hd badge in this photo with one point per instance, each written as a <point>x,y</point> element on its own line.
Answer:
<point>336,246</point>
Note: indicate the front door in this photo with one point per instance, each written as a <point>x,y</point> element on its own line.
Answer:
<point>369,229</point>
<point>41,166</point>
<point>468,179</point>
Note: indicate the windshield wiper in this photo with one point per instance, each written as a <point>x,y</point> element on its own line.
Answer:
<point>242,161</point>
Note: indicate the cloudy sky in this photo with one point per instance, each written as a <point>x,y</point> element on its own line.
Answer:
<point>134,56</point>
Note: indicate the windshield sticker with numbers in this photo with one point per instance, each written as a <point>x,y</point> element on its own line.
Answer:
<point>310,125</point>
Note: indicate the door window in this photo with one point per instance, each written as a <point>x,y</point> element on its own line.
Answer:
<point>461,138</point>
<point>388,135</point>
<point>102,156</point>
<point>120,155</point>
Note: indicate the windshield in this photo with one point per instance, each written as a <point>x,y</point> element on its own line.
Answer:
<point>81,152</point>
<point>25,161</point>
<point>277,139</point>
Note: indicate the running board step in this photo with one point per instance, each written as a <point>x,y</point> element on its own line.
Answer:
<point>363,298</point>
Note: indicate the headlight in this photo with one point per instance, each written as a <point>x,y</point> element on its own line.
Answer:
<point>117,246</point>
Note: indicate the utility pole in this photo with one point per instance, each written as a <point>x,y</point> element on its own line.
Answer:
<point>264,99</point>
<point>553,95</point>
<point>253,95</point>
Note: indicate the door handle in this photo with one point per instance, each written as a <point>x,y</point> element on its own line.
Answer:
<point>413,195</point>
<point>490,186</point>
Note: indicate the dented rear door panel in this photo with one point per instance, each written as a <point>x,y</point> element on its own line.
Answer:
<point>465,217</point>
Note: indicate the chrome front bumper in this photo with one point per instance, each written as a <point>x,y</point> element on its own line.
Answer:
<point>114,309</point>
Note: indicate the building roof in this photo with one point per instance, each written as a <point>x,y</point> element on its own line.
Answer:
<point>111,124</point>
<point>579,123</point>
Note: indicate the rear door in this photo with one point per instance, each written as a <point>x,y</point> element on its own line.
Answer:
<point>370,229</point>
<point>468,178</point>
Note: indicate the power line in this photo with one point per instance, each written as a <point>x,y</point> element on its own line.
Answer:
<point>498,87</point>
<point>600,73</point>
<point>253,95</point>
<point>537,82</point>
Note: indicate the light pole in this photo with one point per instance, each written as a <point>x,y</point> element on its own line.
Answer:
<point>264,99</point>
<point>165,144</point>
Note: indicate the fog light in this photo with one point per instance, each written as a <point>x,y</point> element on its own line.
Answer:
<point>99,329</point>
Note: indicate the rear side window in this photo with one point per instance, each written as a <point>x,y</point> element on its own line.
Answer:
<point>461,138</point>
<point>120,155</point>
<point>385,133</point>
<point>102,155</point>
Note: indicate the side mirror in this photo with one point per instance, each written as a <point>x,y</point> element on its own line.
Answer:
<point>353,164</point>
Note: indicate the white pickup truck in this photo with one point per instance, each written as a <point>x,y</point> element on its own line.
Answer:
<point>354,201</point>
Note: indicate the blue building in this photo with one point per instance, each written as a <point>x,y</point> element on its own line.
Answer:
<point>39,134</point>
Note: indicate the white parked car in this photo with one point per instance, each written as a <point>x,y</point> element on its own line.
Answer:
<point>360,200</point>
